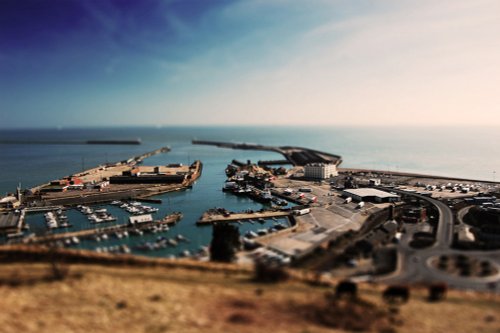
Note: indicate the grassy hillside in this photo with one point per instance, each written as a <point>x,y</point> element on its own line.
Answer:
<point>95,298</point>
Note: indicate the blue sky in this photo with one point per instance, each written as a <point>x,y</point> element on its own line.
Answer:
<point>159,62</point>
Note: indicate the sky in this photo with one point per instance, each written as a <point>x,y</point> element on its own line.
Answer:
<point>76,63</point>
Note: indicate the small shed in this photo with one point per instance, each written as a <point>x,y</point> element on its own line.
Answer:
<point>138,219</point>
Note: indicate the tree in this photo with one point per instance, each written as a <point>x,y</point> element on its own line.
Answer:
<point>225,242</point>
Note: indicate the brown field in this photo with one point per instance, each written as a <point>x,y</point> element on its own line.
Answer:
<point>95,298</point>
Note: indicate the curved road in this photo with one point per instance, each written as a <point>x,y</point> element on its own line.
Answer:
<point>414,266</point>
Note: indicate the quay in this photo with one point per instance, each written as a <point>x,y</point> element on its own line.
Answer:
<point>209,217</point>
<point>296,156</point>
<point>100,170</point>
<point>168,220</point>
<point>121,181</point>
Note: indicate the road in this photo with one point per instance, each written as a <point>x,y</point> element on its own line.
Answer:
<point>414,265</point>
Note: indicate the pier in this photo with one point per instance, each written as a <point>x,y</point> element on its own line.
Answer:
<point>42,209</point>
<point>209,218</point>
<point>142,157</point>
<point>296,156</point>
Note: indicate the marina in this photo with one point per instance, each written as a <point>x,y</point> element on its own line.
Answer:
<point>118,230</point>
<point>102,228</point>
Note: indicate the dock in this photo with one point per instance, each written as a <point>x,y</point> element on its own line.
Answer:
<point>209,218</point>
<point>118,185</point>
<point>97,170</point>
<point>42,209</point>
<point>168,220</point>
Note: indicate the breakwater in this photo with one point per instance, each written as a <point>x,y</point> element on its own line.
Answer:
<point>69,142</point>
<point>296,156</point>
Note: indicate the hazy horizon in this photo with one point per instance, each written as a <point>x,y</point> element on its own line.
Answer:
<point>79,63</point>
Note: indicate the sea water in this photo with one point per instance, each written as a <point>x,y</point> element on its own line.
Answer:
<point>459,152</point>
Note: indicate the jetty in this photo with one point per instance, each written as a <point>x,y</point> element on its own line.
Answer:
<point>296,156</point>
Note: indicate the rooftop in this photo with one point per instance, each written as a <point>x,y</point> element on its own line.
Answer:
<point>370,192</point>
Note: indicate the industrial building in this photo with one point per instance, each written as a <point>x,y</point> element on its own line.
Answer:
<point>320,170</point>
<point>10,222</point>
<point>153,175</point>
<point>370,195</point>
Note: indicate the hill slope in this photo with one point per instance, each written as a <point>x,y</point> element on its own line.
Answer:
<point>95,298</point>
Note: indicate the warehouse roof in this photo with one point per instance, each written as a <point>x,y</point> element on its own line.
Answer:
<point>370,192</point>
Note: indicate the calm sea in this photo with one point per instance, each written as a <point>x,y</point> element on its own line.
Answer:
<point>460,152</point>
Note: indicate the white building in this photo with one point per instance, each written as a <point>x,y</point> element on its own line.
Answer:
<point>320,170</point>
<point>370,195</point>
<point>138,219</point>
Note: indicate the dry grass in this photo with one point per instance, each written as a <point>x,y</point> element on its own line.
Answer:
<point>110,299</point>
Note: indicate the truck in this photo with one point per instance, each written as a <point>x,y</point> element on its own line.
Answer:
<point>303,211</point>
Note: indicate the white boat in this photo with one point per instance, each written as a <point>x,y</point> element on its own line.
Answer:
<point>124,249</point>
<point>172,242</point>
<point>148,209</point>
<point>181,238</point>
<point>262,232</point>
<point>137,232</point>
<point>251,234</point>
<point>133,210</point>
<point>65,224</point>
